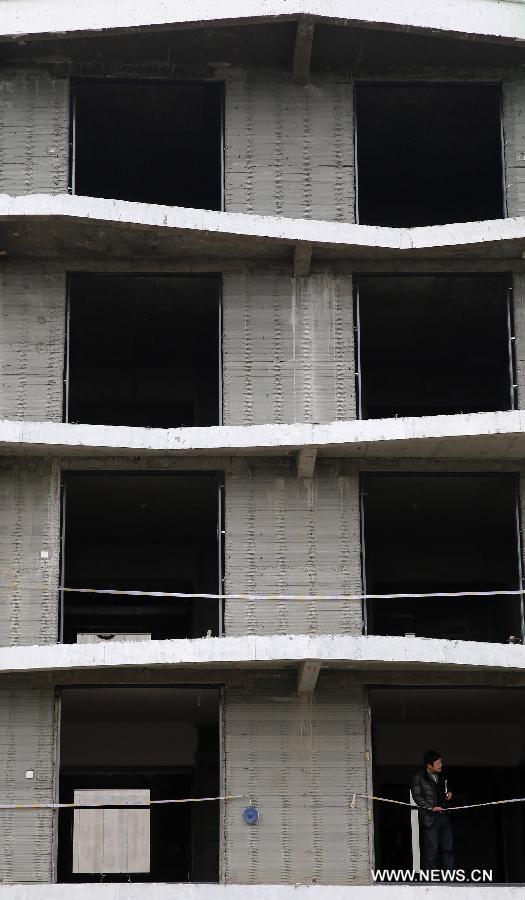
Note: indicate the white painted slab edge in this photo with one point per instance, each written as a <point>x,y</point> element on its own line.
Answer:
<point>48,438</point>
<point>498,18</point>
<point>336,651</point>
<point>289,231</point>
<point>255,892</point>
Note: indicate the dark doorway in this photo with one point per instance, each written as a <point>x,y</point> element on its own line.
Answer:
<point>428,154</point>
<point>141,532</point>
<point>148,141</point>
<point>434,344</point>
<point>130,745</point>
<point>480,734</point>
<point>426,533</point>
<point>144,350</point>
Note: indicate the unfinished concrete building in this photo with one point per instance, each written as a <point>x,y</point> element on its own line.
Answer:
<point>262,336</point>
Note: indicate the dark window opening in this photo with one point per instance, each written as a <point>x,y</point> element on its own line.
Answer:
<point>428,154</point>
<point>144,350</point>
<point>480,734</point>
<point>434,344</point>
<point>131,745</point>
<point>151,142</point>
<point>442,533</point>
<point>144,532</point>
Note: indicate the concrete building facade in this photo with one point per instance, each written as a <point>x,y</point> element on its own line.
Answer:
<point>262,347</point>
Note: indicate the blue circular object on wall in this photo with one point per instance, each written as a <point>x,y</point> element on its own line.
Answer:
<point>251,815</point>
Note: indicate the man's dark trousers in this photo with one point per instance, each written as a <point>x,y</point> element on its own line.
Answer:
<point>438,837</point>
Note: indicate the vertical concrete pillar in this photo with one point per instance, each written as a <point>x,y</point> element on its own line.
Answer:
<point>34,133</point>
<point>514,137</point>
<point>26,746</point>
<point>29,552</point>
<point>288,351</point>
<point>299,760</point>
<point>278,159</point>
<point>286,535</point>
<point>32,341</point>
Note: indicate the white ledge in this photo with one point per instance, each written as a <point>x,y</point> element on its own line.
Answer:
<point>493,435</point>
<point>274,651</point>
<point>501,19</point>
<point>255,892</point>
<point>83,226</point>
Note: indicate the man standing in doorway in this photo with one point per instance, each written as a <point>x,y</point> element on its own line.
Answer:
<point>431,795</point>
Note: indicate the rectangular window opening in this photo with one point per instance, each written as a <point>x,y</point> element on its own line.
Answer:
<point>428,154</point>
<point>480,735</point>
<point>434,344</point>
<point>144,350</point>
<point>129,745</point>
<point>148,141</point>
<point>428,533</point>
<point>141,532</point>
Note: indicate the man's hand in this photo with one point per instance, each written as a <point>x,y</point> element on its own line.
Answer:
<point>438,809</point>
<point>449,795</point>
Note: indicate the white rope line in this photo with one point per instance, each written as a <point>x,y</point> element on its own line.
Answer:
<point>303,597</point>
<point>350,803</point>
<point>448,808</point>
<point>144,805</point>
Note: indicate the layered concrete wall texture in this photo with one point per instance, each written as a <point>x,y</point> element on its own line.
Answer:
<point>300,761</point>
<point>278,159</point>
<point>286,535</point>
<point>34,133</point>
<point>29,552</point>
<point>288,348</point>
<point>32,342</point>
<point>26,744</point>
<point>514,138</point>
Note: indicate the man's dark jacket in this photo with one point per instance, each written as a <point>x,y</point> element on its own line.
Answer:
<point>427,794</point>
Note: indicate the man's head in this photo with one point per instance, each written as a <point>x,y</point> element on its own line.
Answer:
<point>433,761</point>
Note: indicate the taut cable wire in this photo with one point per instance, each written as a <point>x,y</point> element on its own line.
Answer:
<point>292,597</point>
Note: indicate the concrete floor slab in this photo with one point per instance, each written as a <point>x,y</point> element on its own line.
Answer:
<point>494,435</point>
<point>276,651</point>
<point>496,18</point>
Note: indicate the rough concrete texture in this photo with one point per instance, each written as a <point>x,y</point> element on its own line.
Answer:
<point>298,760</point>
<point>518,309</point>
<point>32,340</point>
<point>30,521</point>
<point>292,536</point>
<point>278,160</point>
<point>26,743</point>
<point>502,18</point>
<point>233,654</point>
<point>34,133</point>
<point>514,137</point>
<point>288,348</point>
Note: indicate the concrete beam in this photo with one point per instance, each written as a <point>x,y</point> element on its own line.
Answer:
<point>252,892</point>
<point>302,57</point>
<point>306,462</point>
<point>302,260</point>
<point>307,676</point>
<point>269,652</point>
<point>480,436</point>
<point>58,225</point>
<point>500,19</point>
